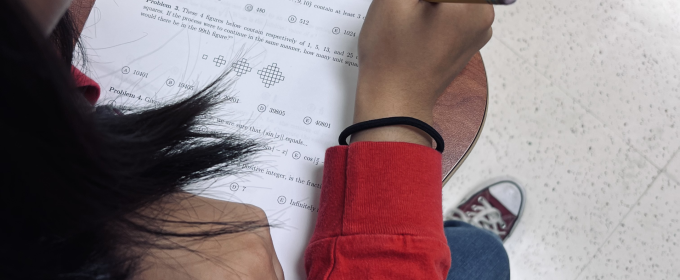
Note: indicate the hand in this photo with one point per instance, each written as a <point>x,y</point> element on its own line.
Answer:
<point>244,255</point>
<point>409,52</point>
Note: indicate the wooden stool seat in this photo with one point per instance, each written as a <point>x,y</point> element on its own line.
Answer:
<point>460,113</point>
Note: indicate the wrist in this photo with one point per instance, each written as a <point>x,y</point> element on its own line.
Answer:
<point>374,106</point>
<point>378,98</point>
<point>382,96</point>
<point>393,133</point>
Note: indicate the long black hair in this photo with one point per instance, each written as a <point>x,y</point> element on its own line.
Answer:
<point>73,178</point>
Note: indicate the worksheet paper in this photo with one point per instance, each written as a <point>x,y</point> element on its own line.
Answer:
<point>296,67</point>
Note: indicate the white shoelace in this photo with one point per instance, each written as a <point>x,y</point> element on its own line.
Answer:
<point>483,216</point>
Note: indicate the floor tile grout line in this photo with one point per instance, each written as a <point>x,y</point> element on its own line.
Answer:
<point>630,210</point>
<point>665,168</point>
<point>672,177</point>
<point>660,171</point>
<point>604,242</point>
<point>590,112</point>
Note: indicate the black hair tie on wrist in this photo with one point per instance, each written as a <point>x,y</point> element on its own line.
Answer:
<point>393,121</point>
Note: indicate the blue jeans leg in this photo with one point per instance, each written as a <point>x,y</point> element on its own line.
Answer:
<point>476,254</point>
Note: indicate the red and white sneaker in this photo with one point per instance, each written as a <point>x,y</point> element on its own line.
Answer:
<point>496,206</point>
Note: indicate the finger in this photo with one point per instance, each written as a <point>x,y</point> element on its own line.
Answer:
<point>277,267</point>
<point>266,236</point>
<point>276,264</point>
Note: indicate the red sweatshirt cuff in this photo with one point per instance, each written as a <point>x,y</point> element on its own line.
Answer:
<point>380,214</point>
<point>381,188</point>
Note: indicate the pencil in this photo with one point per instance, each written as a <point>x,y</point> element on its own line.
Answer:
<point>494,2</point>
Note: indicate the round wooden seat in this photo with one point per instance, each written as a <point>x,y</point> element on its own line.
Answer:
<point>460,113</point>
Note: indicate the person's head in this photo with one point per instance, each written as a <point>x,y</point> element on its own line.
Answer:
<point>74,178</point>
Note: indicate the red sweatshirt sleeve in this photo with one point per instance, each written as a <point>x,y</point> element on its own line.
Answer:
<point>380,214</point>
<point>88,87</point>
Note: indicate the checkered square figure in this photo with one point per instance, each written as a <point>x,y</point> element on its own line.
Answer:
<point>270,75</point>
<point>241,67</point>
<point>219,61</point>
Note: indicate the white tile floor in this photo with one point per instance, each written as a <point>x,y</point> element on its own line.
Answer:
<point>585,112</point>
